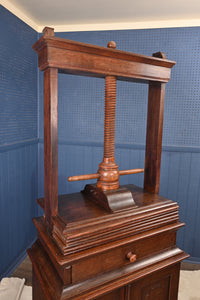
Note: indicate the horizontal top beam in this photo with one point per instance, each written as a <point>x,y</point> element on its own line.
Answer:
<point>84,59</point>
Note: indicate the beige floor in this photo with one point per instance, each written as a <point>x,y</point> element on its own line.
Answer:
<point>24,271</point>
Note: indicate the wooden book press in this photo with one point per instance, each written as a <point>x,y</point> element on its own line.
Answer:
<point>107,242</point>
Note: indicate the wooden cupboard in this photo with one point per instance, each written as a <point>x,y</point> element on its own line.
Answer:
<point>108,241</point>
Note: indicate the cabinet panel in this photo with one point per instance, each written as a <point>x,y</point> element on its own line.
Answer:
<point>162,285</point>
<point>114,295</point>
<point>157,290</point>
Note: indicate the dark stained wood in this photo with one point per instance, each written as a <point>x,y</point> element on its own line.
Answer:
<point>38,292</point>
<point>96,175</point>
<point>75,208</point>
<point>162,285</point>
<point>48,31</point>
<point>58,258</point>
<point>111,200</point>
<point>118,294</point>
<point>75,46</point>
<point>81,224</point>
<point>24,270</point>
<point>108,169</point>
<point>160,55</point>
<point>65,55</point>
<point>131,257</point>
<point>50,143</point>
<point>127,294</point>
<point>46,282</point>
<point>89,60</point>
<point>122,256</point>
<point>154,137</point>
<point>89,251</point>
<point>103,283</point>
<point>126,275</point>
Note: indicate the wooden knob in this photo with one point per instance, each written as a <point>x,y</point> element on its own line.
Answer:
<point>131,257</point>
<point>111,44</point>
<point>160,55</point>
<point>48,32</point>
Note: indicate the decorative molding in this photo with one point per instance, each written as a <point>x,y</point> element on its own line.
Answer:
<point>18,13</point>
<point>15,145</point>
<point>193,260</point>
<point>165,148</point>
<point>174,23</point>
<point>124,25</point>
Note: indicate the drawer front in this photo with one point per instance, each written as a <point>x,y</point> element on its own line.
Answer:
<point>121,256</point>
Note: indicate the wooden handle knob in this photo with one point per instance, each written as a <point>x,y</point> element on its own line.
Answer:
<point>83,177</point>
<point>111,44</point>
<point>131,257</point>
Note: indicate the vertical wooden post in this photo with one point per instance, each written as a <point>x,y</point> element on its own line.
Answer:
<point>154,136</point>
<point>50,144</point>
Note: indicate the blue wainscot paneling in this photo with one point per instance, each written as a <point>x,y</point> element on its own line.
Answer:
<point>180,181</point>
<point>18,191</point>
<point>18,139</point>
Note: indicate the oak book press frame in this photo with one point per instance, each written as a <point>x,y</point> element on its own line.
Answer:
<point>107,242</point>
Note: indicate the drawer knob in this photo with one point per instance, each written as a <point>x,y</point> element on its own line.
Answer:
<point>131,257</point>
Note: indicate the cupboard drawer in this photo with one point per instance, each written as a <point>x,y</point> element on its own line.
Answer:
<point>122,255</point>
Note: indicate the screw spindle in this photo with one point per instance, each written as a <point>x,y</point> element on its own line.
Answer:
<point>108,174</point>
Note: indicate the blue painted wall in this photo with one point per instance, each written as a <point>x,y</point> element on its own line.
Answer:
<point>81,105</point>
<point>18,139</point>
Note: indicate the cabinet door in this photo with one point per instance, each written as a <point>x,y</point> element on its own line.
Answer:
<point>117,294</point>
<point>161,285</point>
